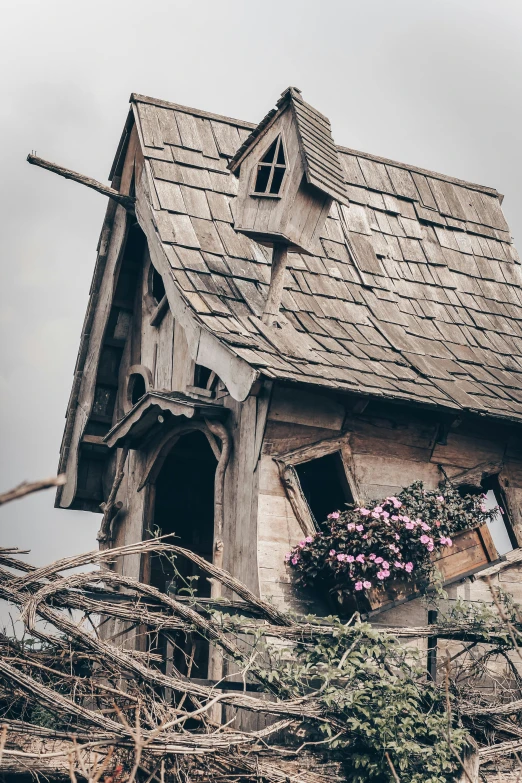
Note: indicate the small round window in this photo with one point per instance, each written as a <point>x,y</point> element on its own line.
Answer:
<point>136,388</point>
<point>156,287</point>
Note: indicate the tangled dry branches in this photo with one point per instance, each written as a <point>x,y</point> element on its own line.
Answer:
<point>95,688</point>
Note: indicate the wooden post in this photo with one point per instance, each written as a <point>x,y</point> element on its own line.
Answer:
<point>470,771</point>
<point>126,201</point>
<point>277,276</point>
<point>431,662</point>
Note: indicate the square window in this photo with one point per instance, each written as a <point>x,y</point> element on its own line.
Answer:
<point>324,485</point>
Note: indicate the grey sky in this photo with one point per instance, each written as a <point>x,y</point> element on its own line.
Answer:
<point>436,83</point>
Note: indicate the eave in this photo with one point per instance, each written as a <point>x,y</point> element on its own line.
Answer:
<point>151,414</point>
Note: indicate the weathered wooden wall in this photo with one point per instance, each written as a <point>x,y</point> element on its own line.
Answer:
<point>391,447</point>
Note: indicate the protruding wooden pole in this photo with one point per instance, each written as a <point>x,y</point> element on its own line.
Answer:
<point>277,277</point>
<point>126,201</point>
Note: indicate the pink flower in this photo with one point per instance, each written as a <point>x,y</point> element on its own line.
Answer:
<point>364,512</point>
<point>302,543</point>
<point>340,558</point>
<point>405,519</point>
<point>331,552</point>
<point>445,541</point>
<point>386,573</point>
<point>358,585</point>
<point>440,498</point>
<point>483,508</point>
<point>378,560</point>
<point>309,539</point>
<point>378,509</point>
<point>397,537</point>
<point>334,515</point>
<point>437,523</point>
<point>425,539</point>
<point>350,526</point>
<point>395,517</point>
<point>375,514</point>
<point>385,565</point>
<point>382,574</point>
<point>359,528</point>
<point>409,567</point>
<point>367,585</point>
<point>365,536</point>
<point>385,515</point>
<point>373,556</point>
<point>288,556</point>
<point>398,564</point>
<point>349,558</point>
<point>295,560</point>
<point>360,558</point>
<point>409,525</point>
<point>424,526</point>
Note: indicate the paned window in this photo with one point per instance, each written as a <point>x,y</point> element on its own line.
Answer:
<point>271,169</point>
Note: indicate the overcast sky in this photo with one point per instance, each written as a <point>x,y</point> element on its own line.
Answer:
<point>436,83</point>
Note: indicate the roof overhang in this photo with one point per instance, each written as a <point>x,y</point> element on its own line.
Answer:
<point>152,413</point>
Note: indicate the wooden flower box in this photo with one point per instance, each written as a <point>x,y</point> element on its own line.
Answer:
<point>472,549</point>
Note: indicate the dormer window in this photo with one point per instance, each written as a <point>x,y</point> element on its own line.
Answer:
<point>271,170</point>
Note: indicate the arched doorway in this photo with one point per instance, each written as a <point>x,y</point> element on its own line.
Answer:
<point>184,505</point>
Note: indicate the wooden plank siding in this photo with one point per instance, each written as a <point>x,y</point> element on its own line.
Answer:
<point>390,448</point>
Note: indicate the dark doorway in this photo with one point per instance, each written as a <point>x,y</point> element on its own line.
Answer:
<point>184,505</point>
<point>324,485</point>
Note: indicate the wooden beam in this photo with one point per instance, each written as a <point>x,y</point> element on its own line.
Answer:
<point>276,287</point>
<point>125,201</point>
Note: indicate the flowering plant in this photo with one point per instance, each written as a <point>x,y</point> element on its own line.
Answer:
<point>363,548</point>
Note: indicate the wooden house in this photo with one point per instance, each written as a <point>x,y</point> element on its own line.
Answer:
<point>278,325</point>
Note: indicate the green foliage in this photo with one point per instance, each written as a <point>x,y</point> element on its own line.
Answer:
<point>362,548</point>
<point>376,698</point>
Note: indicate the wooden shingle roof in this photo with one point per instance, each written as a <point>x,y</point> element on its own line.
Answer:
<point>416,295</point>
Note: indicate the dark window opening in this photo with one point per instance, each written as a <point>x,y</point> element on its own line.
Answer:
<point>201,376</point>
<point>157,289</point>
<point>324,485</point>
<point>137,387</point>
<point>499,526</point>
<point>184,505</point>
<point>271,169</point>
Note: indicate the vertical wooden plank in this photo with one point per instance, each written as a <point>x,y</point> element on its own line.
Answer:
<point>183,367</point>
<point>165,353</point>
<point>240,497</point>
<point>134,515</point>
<point>149,334</point>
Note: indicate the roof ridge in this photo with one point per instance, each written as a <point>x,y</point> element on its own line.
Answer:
<point>418,170</point>
<point>138,98</point>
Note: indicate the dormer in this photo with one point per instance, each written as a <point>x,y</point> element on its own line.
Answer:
<point>289,173</point>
